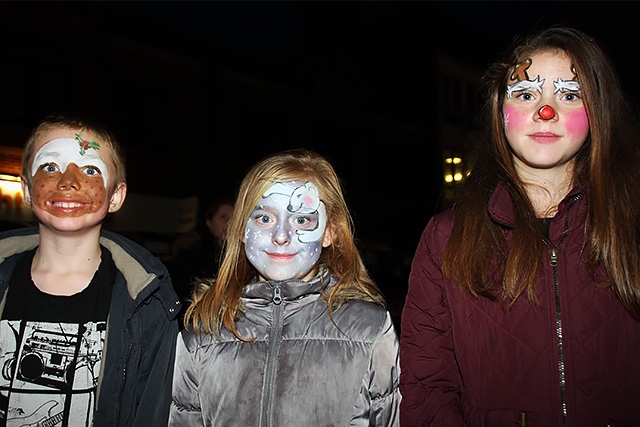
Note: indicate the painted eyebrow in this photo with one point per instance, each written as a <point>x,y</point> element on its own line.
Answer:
<point>525,85</point>
<point>566,85</point>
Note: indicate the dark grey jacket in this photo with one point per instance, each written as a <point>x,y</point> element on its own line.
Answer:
<point>301,370</point>
<point>134,388</point>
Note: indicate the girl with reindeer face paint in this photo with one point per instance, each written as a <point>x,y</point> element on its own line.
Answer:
<point>523,305</point>
<point>293,331</point>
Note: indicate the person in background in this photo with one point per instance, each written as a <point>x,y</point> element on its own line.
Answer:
<point>88,318</point>
<point>293,331</point>
<point>523,305</point>
<point>202,258</point>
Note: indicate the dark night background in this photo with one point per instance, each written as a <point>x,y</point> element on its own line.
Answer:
<point>199,91</point>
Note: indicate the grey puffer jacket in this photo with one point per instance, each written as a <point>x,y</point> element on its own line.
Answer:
<point>134,387</point>
<point>301,370</point>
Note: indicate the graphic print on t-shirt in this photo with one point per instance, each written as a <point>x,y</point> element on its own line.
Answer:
<point>49,372</point>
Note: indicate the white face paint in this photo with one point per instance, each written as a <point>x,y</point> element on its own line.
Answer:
<point>64,151</point>
<point>284,234</point>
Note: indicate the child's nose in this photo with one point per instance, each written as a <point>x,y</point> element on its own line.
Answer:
<point>546,112</point>
<point>70,178</point>
<point>281,236</point>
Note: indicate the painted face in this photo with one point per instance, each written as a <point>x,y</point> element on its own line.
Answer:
<point>545,119</point>
<point>69,181</point>
<point>285,235</point>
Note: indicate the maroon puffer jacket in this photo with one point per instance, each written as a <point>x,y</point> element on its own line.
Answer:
<point>573,361</point>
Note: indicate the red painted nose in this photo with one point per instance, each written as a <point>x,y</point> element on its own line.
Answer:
<point>546,112</point>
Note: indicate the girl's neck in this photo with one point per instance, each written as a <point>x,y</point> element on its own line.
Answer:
<point>546,189</point>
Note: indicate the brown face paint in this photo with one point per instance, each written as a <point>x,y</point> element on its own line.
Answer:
<point>520,71</point>
<point>69,194</point>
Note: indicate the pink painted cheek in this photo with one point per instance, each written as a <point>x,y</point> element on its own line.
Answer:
<point>514,119</point>
<point>577,123</point>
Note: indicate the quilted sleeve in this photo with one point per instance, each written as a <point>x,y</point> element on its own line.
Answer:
<point>429,380</point>
<point>385,371</point>
<point>185,402</point>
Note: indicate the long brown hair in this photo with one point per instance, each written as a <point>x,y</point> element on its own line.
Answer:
<point>218,302</point>
<point>477,256</point>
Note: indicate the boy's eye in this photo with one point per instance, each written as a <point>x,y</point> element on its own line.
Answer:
<point>50,168</point>
<point>92,171</point>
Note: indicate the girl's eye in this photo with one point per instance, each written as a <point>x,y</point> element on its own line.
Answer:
<point>264,219</point>
<point>525,96</point>
<point>571,96</point>
<point>305,222</point>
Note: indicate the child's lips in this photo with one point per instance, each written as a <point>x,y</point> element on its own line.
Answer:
<point>544,136</point>
<point>67,205</point>
<point>280,257</point>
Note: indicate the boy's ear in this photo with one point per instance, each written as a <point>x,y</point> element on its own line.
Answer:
<point>117,198</point>
<point>25,191</point>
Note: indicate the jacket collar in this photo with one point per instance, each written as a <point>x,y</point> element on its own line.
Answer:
<point>138,267</point>
<point>289,289</point>
<point>501,208</point>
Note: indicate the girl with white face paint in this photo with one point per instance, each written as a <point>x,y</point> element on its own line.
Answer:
<point>293,325</point>
<point>285,232</point>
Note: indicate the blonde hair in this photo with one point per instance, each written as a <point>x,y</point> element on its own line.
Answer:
<point>217,301</point>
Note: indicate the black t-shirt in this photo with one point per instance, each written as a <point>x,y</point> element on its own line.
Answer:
<point>546,224</point>
<point>51,348</point>
<point>91,304</point>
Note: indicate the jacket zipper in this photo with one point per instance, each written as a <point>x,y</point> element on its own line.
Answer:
<point>125,367</point>
<point>553,262</point>
<point>275,338</point>
<point>553,251</point>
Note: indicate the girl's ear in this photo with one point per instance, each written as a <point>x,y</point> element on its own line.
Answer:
<point>25,190</point>
<point>329,232</point>
<point>117,198</point>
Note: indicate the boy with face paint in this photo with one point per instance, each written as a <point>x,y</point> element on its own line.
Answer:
<point>293,331</point>
<point>523,306</point>
<point>88,318</point>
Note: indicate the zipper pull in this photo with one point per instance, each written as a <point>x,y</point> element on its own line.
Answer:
<point>523,419</point>
<point>554,257</point>
<point>277,297</point>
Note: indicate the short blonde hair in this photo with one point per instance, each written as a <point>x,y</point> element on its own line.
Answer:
<point>81,124</point>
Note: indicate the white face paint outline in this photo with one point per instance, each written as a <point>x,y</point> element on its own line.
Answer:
<point>275,244</point>
<point>303,199</point>
<point>566,86</point>
<point>64,151</point>
<point>523,83</point>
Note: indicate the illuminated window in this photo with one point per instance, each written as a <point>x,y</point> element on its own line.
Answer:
<point>453,170</point>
